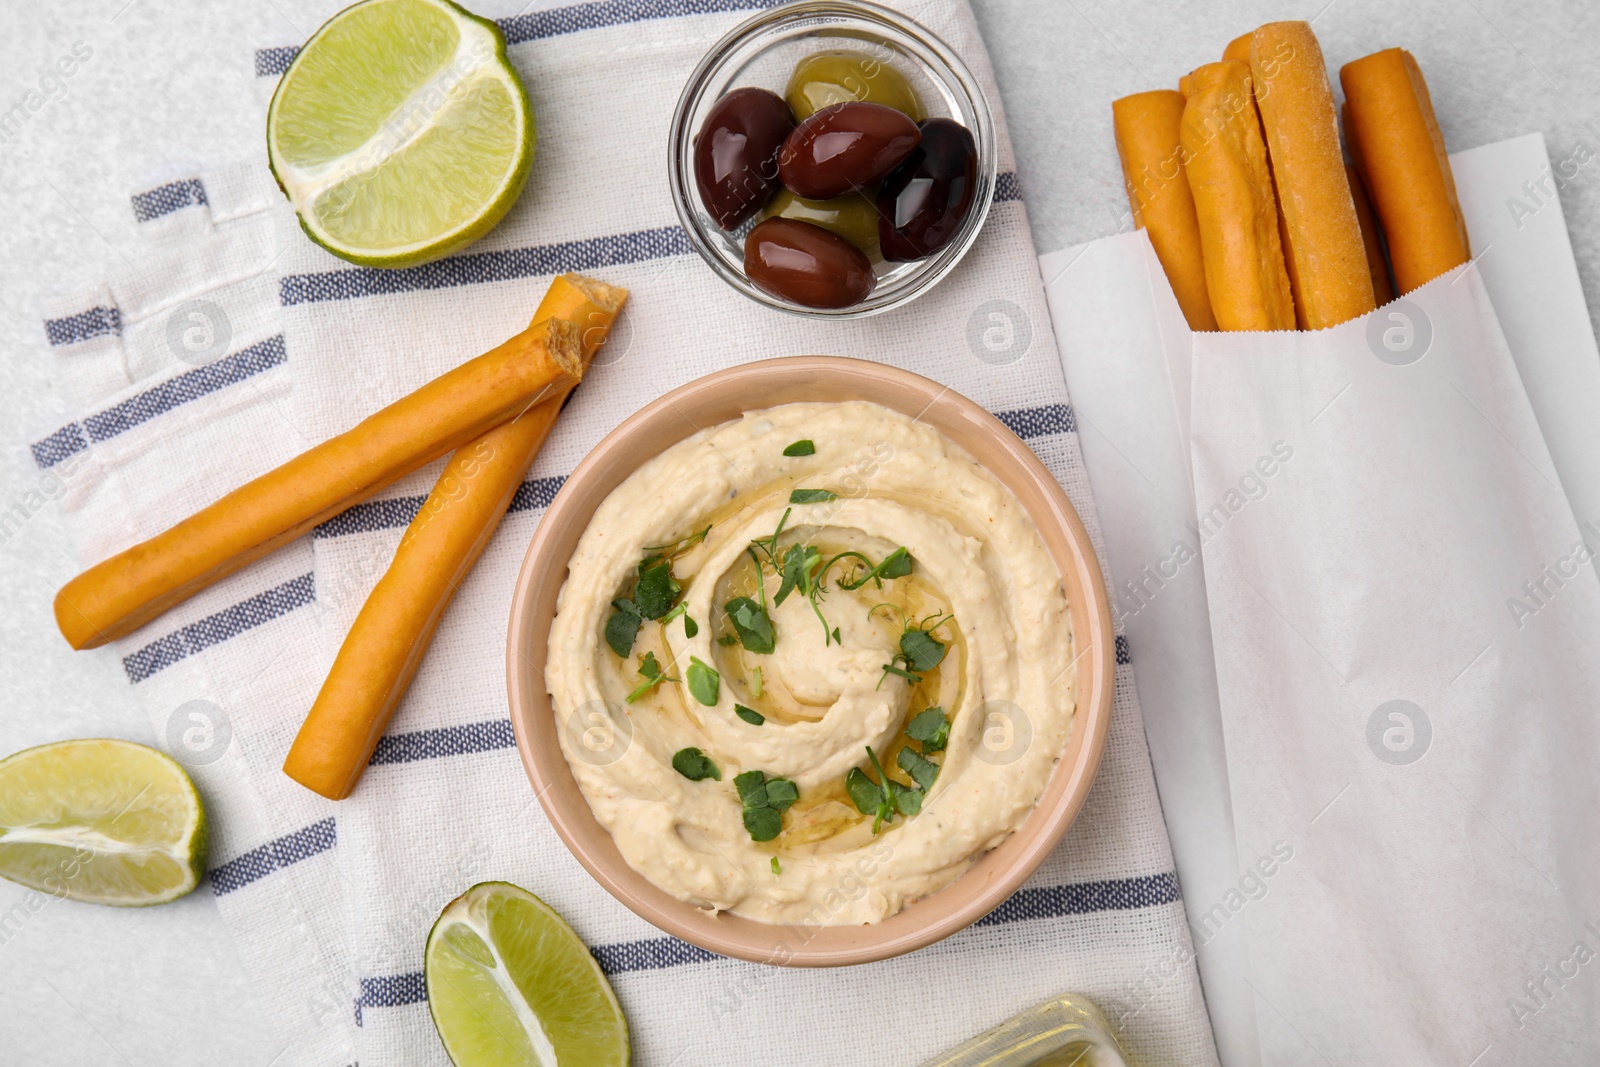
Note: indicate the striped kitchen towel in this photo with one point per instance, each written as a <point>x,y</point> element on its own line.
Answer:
<point>183,389</point>
<point>446,802</point>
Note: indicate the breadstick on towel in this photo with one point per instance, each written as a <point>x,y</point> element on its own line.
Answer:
<point>1148,144</point>
<point>391,633</point>
<point>1371,237</point>
<point>1227,171</point>
<point>1393,134</point>
<point>1326,258</point>
<point>117,596</point>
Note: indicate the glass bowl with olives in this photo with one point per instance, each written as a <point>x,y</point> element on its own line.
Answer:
<point>832,158</point>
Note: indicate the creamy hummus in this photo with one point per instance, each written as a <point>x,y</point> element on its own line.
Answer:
<point>981,591</point>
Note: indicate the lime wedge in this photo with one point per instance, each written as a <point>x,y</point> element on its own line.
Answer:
<point>101,821</point>
<point>400,132</point>
<point>510,983</point>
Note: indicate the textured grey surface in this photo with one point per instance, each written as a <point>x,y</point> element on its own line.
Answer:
<point>166,92</point>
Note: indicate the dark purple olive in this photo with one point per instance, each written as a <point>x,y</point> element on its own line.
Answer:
<point>735,163</point>
<point>806,264</point>
<point>844,148</point>
<point>921,204</point>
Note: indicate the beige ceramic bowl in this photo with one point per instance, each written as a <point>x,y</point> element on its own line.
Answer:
<point>719,398</point>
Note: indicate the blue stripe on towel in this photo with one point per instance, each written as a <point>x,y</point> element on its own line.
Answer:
<point>1037,422</point>
<point>67,441</point>
<point>391,991</point>
<point>274,855</point>
<point>563,20</point>
<point>1124,656</point>
<point>215,629</point>
<point>556,22</point>
<point>173,393</point>
<point>391,514</point>
<point>1006,187</point>
<point>85,325</point>
<point>272,62</point>
<point>370,515</point>
<point>660,953</point>
<point>475,268</point>
<point>651,954</point>
<point>1054,901</point>
<point>165,199</point>
<point>444,741</point>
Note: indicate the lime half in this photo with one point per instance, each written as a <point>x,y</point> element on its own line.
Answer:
<point>400,132</point>
<point>510,983</point>
<point>101,821</point>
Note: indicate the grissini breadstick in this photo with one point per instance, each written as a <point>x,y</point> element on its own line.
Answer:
<point>1226,164</point>
<point>1326,259</point>
<point>1372,238</point>
<point>1239,47</point>
<point>391,633</point>
<point>1148,145</point>
<point>117,596</point>
<point>1393,133</point>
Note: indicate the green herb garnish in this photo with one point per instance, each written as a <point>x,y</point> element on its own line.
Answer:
<point>896,564</point>
<point>922,771</point>
<point>623,627</point>
<point>690,627</point>
<point>781,793</point>
<point>919,651</point>
<point>656,589</point>
<point>749,715</point>
<point>763,801</point>
<point>881,799</point>
<point>704,681</point>
<point>755,682</point>
<point>681,545</point>
<point>812,496</point>
<point>752,623</point>
<point>653,675</point>
<point>763,824</point>
<point>931,728</point>
<point>727,639</point>
<point>803,447</point>
<point>867,795</point>
<point>777,868</point>
<point>695,765</point>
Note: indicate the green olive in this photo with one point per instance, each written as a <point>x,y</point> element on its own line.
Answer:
<point>823,79</point>
<point>853,216</point>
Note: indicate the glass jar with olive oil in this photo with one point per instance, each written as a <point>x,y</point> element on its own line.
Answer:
<point>1064,1031</point>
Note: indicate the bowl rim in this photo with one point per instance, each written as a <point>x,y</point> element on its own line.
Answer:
<point>998,872</point>
<point>680,141</point>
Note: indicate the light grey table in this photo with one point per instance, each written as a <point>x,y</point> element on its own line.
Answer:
<point>165,86</point>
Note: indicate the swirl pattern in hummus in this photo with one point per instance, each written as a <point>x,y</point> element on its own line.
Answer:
<point>1005,681</point>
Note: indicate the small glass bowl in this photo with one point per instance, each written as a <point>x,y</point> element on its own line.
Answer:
<point>762,52</point>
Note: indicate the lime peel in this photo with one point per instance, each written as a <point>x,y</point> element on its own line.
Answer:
<point>401,132</point>
<point>101,821</point>
<point>510,983</point>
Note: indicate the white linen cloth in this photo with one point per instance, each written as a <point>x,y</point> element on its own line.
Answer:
<point>1135,413</point>
<point>183,391</point>
<point>446,802</point>
<point>596,202</point>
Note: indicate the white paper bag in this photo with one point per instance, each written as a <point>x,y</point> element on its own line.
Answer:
<point>1405,629</point>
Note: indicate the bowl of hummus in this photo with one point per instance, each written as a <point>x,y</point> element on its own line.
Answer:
<point>812,682</point>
